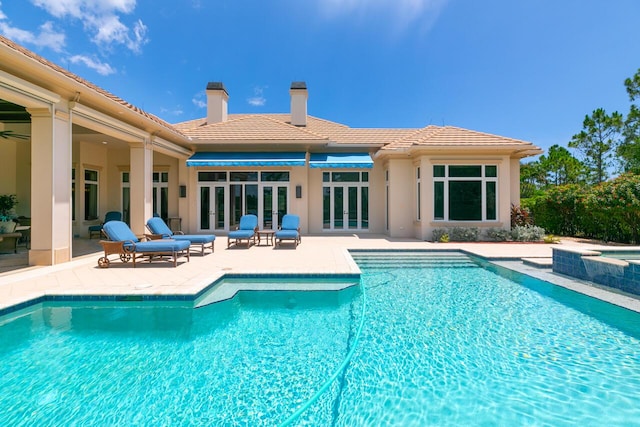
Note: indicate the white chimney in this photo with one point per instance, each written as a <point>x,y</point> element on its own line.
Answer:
<point>217,99</point>
<point>299,97</point>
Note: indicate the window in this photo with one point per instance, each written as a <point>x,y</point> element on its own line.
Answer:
<point>73,194</point>
<point>161,194</point>
<point>126,197</point>
<point>465,192</point>
<point>418,213</point>
<point>90,195</point>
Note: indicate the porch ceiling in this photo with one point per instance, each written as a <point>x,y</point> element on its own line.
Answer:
<point>12,113</point>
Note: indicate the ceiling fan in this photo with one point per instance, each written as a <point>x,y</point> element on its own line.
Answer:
<point>6,134</point>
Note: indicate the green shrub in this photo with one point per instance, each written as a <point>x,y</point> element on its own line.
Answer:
<point>520,216</point>
<point>550,238</point>
<point>560,210</point>
<point>464,234</point>
<point>438,234</point>
<point>527,233</point>
<point>498,234</point>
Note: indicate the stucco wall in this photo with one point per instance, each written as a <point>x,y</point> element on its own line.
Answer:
<point>402,207</point>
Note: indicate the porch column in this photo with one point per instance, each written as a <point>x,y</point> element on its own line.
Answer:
<point>141,182</point>
<point>51,233</point>
<point>183,202</point>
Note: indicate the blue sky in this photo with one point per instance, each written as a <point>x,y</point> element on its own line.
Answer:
<point>529,70</point>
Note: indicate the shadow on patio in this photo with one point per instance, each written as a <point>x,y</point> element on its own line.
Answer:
<point>11,262</point>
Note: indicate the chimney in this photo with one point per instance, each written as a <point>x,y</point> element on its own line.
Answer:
<point>299,97</point>
<point>217,98</point>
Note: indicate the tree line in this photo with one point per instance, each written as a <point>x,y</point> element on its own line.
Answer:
<point>606,143</point>
<point>572,195</point>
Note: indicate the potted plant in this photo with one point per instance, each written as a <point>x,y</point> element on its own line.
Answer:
<point>7,212</point>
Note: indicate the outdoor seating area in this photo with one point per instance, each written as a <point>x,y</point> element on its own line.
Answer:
<point>289,230</point>
<point>247,231</point>
<point>109,216</point>
<point>126,245</point>
<point>160,230</point>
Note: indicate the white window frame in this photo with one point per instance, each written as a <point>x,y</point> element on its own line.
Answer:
<point>483,179</point>
<point>91,182</point>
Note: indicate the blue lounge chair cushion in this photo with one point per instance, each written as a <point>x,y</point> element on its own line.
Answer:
<point>246,228</point>
<point>119,231</point>
<point>195,238</point>
<point>289,229</point>
<point>109,216</point>
<point>241,234</point>
<point>287,234</point>
<point>162,245</point>
<point>157,226</point>
<point>290,222</point>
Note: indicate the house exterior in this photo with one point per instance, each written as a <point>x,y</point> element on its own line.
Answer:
<point>71,152</point>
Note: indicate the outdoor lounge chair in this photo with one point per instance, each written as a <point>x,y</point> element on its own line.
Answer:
<point>246,231</point>
<point>109,216</point>
<point>160,230</point>
<point>125,244</point>
<point>289,230</point>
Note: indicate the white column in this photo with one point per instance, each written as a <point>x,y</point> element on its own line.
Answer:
<point>183,202</point>
<point>50,185</point>
<point>141,181</point>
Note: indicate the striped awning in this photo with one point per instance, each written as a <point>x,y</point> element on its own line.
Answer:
<point>341,160</point>
<point>247,159</point>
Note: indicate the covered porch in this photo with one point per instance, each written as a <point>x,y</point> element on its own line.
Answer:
<point>72,152</point>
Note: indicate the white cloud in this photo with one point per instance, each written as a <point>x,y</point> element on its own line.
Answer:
<point>401,13</point>
<point>102,19</point>
<point>175,112</point>
<point>46,37</point>
<point>198,100</point>
<point>258,100</point>
<point>100,67</point>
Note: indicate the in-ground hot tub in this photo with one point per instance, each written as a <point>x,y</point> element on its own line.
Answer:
<point>616,268</point>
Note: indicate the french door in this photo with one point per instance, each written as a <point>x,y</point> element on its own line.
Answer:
<point>274,204</point>
<point>212,208</point>
<point>221,204</point>
<point>345,208</point>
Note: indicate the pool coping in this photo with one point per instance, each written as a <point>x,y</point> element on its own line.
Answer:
<point>199,288</point>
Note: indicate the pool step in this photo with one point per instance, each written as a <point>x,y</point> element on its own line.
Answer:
<point>412,260</point>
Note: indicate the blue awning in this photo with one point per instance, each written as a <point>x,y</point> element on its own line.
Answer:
<point>340,160</point>
<point>247,159</point>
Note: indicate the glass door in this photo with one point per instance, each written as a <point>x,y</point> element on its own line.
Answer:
<point>345,201</point>
<point>345,208</point>
<point>211,210</point>
<point>274,205</point>
<point>243,200</point>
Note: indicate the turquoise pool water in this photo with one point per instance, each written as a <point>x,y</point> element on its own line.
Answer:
<point>445,342</point>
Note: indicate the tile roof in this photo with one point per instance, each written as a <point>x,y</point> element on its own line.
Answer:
<point>251,128</point>
<point>278,127</point>
<point>452,136</point>
<point>77,79</point>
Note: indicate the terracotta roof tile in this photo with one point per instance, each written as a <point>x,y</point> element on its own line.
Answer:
<point>452,136</point>
<point>16,47</point>
<point>261,127</point>
<point>251,127</point>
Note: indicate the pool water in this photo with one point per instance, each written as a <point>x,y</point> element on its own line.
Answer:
<point>447,340</point>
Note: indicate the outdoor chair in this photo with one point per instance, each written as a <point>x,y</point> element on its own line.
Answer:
<point>160,230</point>
<point>289,230</point>
<point>246,231</point>
<point>109,216</point>
<point>127,246</point>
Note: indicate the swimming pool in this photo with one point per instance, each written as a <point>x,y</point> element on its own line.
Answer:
<point>446,340</point>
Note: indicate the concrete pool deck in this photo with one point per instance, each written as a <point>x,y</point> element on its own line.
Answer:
<point>315,255</point>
